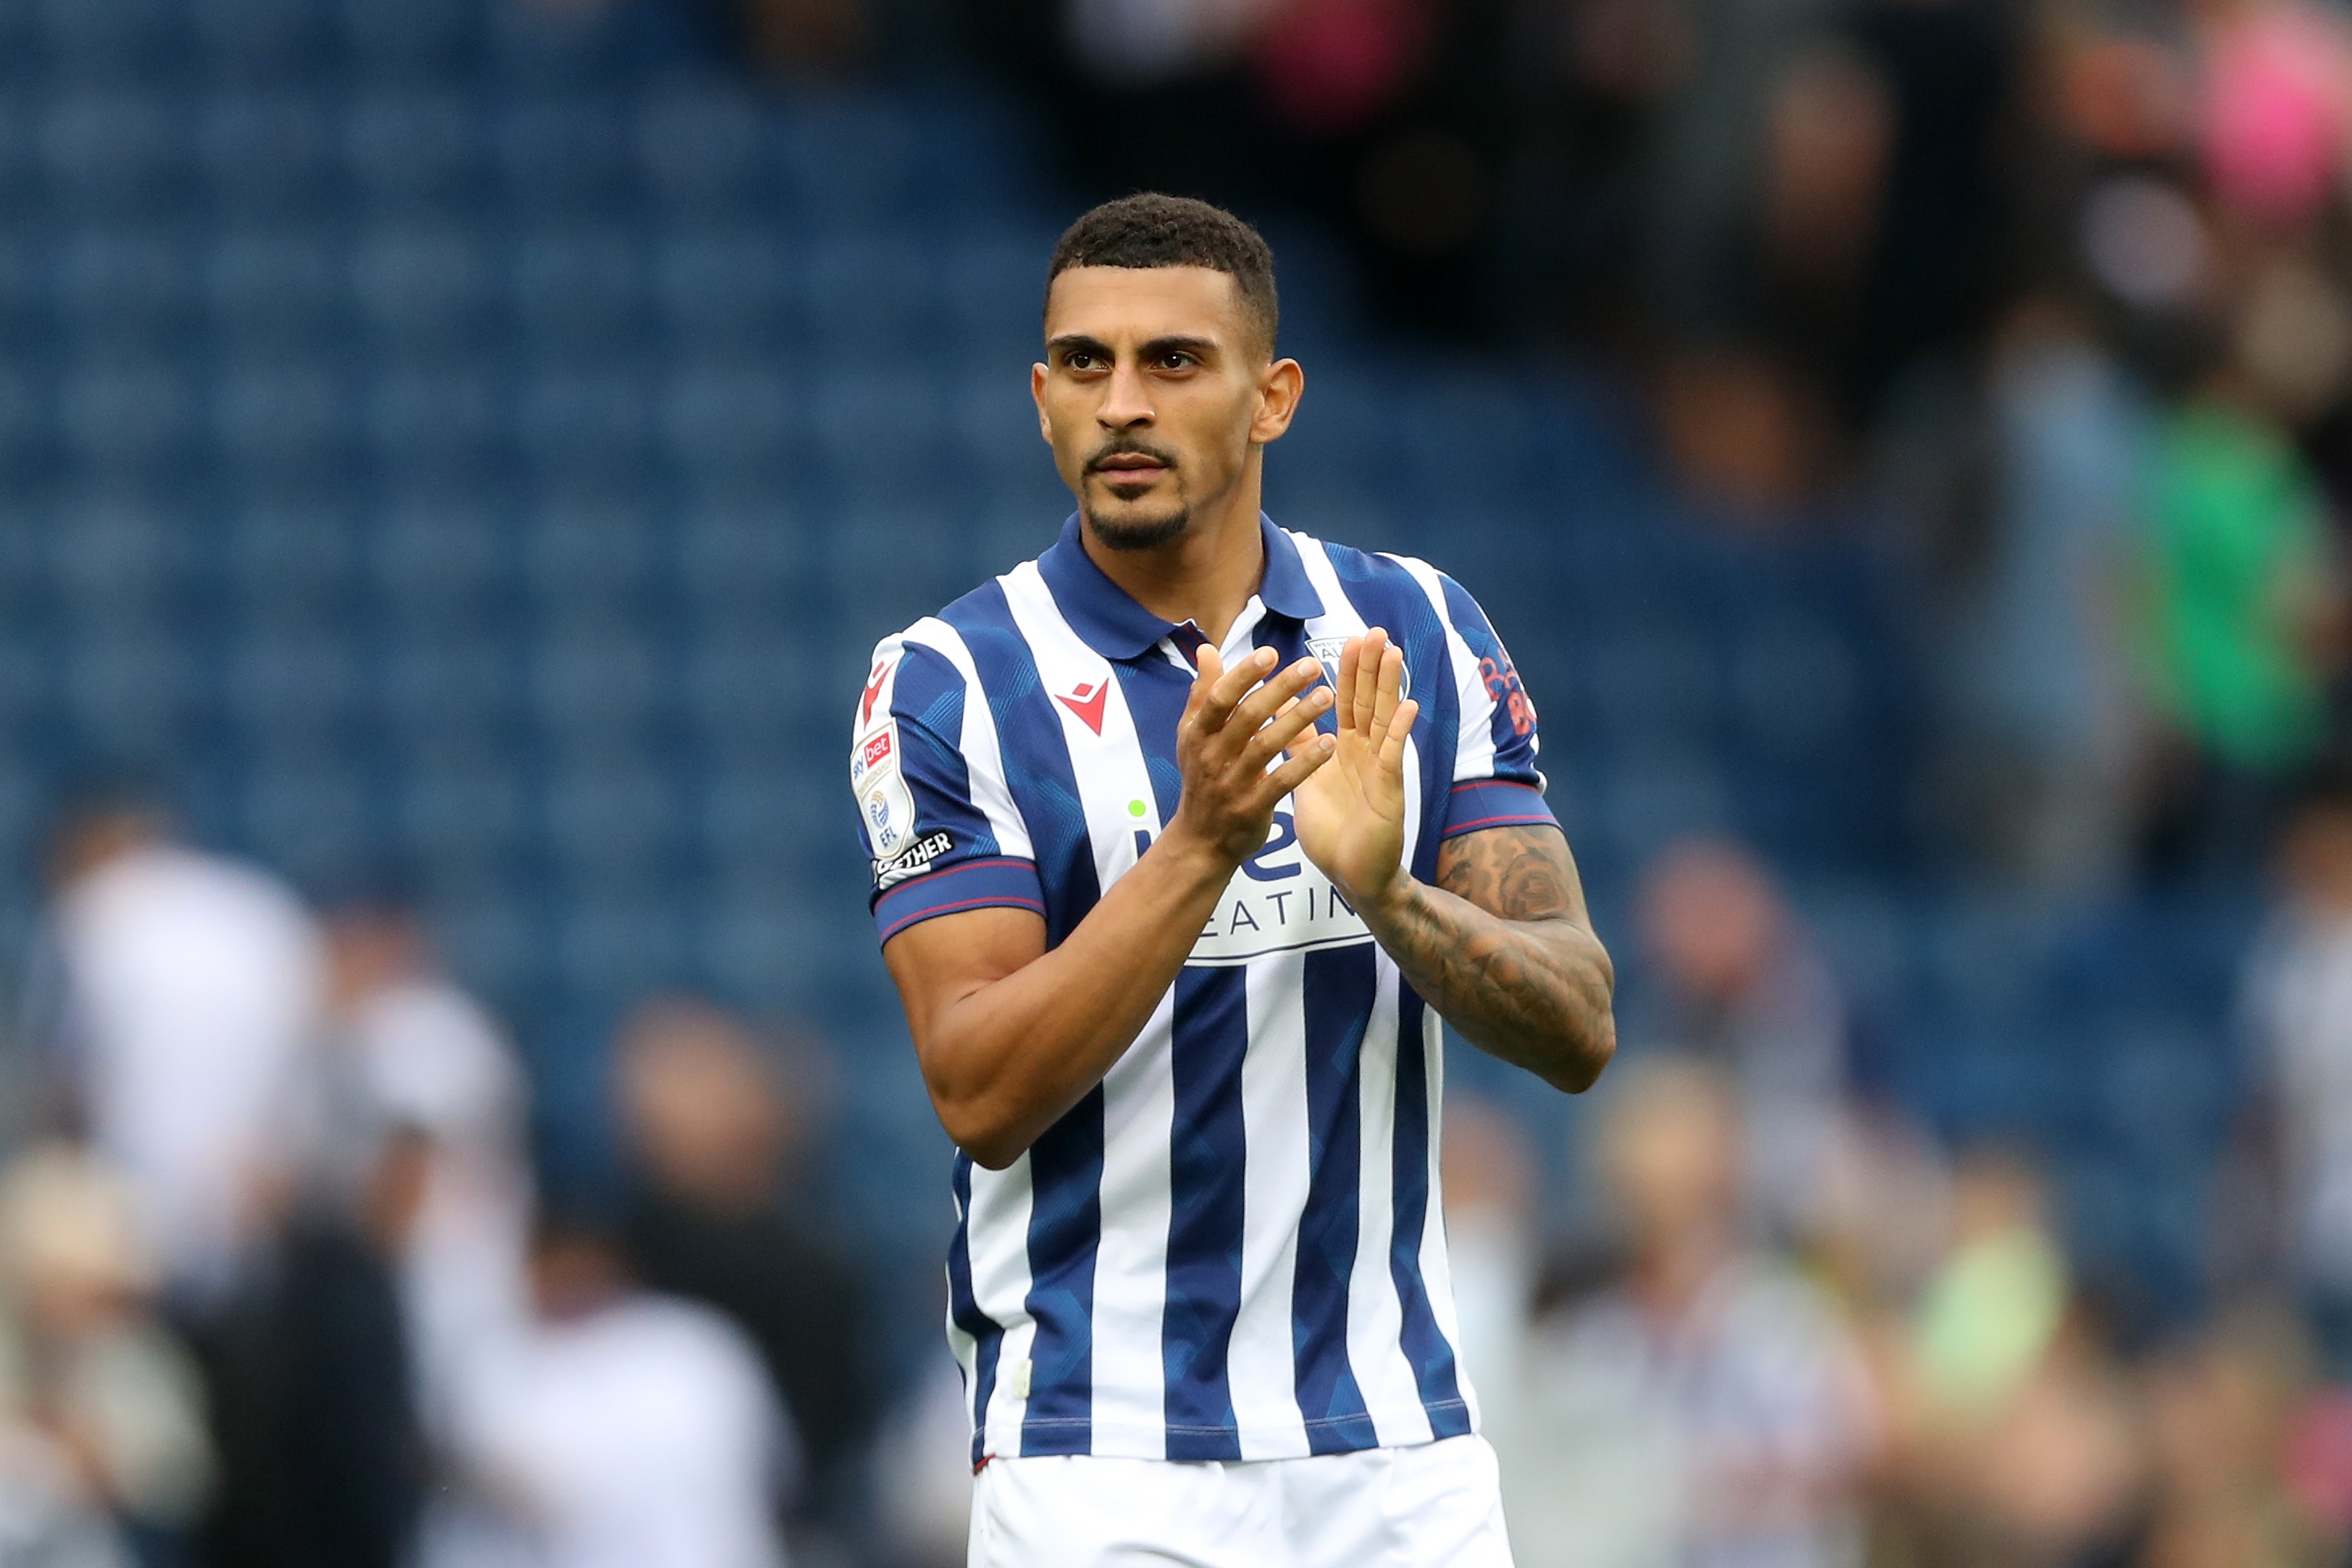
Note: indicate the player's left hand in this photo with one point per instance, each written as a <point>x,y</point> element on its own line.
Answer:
<point>1350,813</point>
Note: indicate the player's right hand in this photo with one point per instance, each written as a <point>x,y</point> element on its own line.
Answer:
<point>1236,722</point>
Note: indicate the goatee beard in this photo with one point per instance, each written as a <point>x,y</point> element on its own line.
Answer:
<point>1142,536</point>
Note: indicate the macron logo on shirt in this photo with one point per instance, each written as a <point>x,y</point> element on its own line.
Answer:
<point>1086,702</point>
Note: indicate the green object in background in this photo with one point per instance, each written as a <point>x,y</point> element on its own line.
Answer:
<point>2237,552</point>
<point>1988,1319</point>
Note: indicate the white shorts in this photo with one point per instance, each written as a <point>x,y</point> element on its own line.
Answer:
<point>1436,1505</point>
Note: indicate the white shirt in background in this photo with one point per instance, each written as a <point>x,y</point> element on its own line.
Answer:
<point>194,986</point>
<point>426,1055</point>
<point>2298,998</point>
<point>643,1435</point>
<point>1730,1438</point>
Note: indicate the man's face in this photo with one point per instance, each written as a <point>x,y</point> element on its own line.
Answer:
<point>1155,389</point>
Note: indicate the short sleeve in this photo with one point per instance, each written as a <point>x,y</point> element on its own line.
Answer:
<point>1496,781</point>
<point>936,847</point>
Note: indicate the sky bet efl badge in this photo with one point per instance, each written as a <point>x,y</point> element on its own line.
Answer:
<point>883,799</point>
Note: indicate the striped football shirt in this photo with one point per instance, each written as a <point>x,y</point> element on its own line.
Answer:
<point>1231,1248</point>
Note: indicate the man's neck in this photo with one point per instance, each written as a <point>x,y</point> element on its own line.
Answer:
<point>1206,577</point>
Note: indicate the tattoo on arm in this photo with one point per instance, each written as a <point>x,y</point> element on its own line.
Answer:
<point>1503,948</point>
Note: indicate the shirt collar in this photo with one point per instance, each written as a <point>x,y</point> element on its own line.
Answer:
<point>1117,627</point>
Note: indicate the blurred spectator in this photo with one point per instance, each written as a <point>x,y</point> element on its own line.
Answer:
<point>2047,733</point>
<point>2297,1006</point>
<point>1710,1410</point>
<point>1741,986</point>
<point>922,1472</point>
<point>2012,1432</point>
<point>413,1065</point>
<point>180,992</point>
<point>2218,1420</point>
<point>2239,605</point>
<point>323,1462</point>
<point>1489,1182</point>
<point>623,1430</point>
<point>96,1398</point>
<point>713,1129</point>
<point>2277,106</point>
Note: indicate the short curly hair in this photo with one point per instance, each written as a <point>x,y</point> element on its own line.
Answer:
<point>1154,230</point>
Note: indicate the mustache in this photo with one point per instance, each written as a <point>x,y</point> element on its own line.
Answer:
<point>1128,446</point>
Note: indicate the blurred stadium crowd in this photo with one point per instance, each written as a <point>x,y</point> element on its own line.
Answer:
<point>455,455</point>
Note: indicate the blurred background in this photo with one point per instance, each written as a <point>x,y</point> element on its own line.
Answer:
<point>456,455</point>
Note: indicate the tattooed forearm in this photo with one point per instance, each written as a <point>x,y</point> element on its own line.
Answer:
<point>1503,948</point>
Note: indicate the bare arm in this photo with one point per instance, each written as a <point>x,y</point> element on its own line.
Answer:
<point>1503,948</point>
<point>1010,1035</point>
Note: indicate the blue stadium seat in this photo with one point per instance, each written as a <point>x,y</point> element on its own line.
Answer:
<point>559,152</point>
<point>595,690</point>
<point>282,416</point>
<point>296,678</point>
<point>613,818</point>
<point>291,550</point>
<point>111,149</point>
<point>89,38</point>
<point>306,811</point>
<point>1651,793</point>
<point>730,286</point>
<point>462,812</point>
<point>702,148</point>
<point>589,555</point>
<point>421,283</point>
<point>755,821</point>
<point>1644,681</point>
<point>864,298</point>
<point>128,685</point>
<point>122,284</point>
<point>248,38</point>
<point>620,950</point>
<point>449,690</point>
<point>594,418</point>
<point>1794,687</point>
<point>878,431</point>
<point>438,560</point>
<point>779,949</point>
<point>116,553</point>
<point>121,416</point>
<point>992,296</point>
<point>2162,1092</point>
<point>276,285</point>
<point>413,39</point>
<point>27,405</point>
<point>853,160</point>
<point>746,693</point>
<point>412,143</point>
<point>729,418</point>
<point>272,148</point>
<point>581,286</point>
<point>746,552</point>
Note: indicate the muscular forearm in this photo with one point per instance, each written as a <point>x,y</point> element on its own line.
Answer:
<point>1535,993</point>
<point>1006,1061</point>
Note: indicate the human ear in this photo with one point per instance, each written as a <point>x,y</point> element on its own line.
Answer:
<point>1279,387</point>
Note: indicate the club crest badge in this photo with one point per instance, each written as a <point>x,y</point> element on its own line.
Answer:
<point>1325,651</point>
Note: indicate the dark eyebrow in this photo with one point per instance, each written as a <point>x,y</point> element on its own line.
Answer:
<point>1160,348</point>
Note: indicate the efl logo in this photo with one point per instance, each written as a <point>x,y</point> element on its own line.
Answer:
<point>1086,702</point>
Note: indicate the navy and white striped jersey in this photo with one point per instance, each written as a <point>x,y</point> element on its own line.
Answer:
<point>1231,1248</point>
